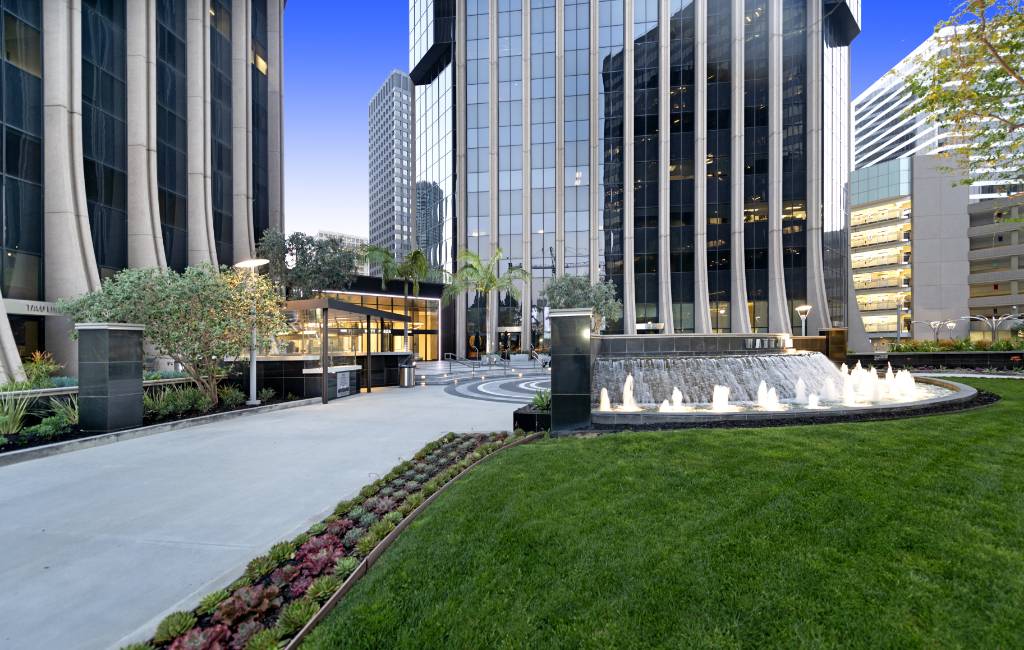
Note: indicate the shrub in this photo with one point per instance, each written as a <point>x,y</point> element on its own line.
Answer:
<point>3,441</point>
<point>13,411</point>
<point>174,626</point>
<point>248,601</point>
<point>393,517</point>
<point>264,640</point>
<point>295,615</point>
<point>339,527</point>
<point>266,394</point>
<point>323,588</point>
<point>344,506</point>
<point>379,505</point>
<point>208,605</point>
<point>366,544</point>
<point>355,513</point>
<point>49,427</point>
<point>381,529</point>
<point>400,495</point>
<point>344,567</point>
<point>281,552</point>
<point>210,638</point>
<point>68,409</point>
<point>39,368</point>
<point>231,396</point>
<point>153,403</point>
<point>542,400</point>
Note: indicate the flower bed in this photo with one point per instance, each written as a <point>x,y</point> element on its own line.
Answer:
<point>285,588</point>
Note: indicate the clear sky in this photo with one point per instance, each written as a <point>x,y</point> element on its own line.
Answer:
<point>338,53</point>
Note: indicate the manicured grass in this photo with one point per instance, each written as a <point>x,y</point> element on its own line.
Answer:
<point>885,534</point>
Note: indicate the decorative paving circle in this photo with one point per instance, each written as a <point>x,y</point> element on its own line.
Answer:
<point>511,390</point>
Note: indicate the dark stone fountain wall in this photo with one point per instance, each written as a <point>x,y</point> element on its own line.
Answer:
<point>661,345</point>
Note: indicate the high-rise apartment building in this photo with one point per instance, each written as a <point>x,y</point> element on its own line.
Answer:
<point>996,257</point>
<point>392,166</point>
<point>138,133</point>
<point>884,131</point>
<point>693,152</point>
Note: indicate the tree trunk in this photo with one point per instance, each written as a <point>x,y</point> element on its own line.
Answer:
<point>491,316</point>
<point>408,345</point>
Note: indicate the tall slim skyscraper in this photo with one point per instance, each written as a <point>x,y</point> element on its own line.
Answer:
<point>392,166</point>
<point>161,148</point>
<point>693,152</point>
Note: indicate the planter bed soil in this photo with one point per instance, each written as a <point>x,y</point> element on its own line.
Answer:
<point>18,441</point>
<point>284,591</point>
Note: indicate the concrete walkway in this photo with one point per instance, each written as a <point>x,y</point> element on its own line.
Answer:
<point>97,545</point>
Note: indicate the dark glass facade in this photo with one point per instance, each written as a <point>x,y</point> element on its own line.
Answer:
<point>680,167</point>
<point>611,131</point>
<point>794,153</point>
<point>510,161</point>
<point>645,159</point>
<point>104,133</point>
<point>172,130</point>
<point>719,148</point>
<point>260,121</point>
<point>576,133</point>
<point>21,122</point>
<point>478,183</point>
<point>220,129</point>
<point>543,140</point>
<point>755,161</point>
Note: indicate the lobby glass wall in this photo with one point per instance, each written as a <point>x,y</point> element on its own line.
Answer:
<point>347,332</point>
<point>611,122</point>
<point>21,123</point>
<point>104,134</point>
<point>172,131</point>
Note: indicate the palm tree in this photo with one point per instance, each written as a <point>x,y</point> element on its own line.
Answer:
<point>413,269</point>
<point>480,277</point>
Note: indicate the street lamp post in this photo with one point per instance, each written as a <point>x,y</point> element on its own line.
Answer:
<point>803,311</point>
<point>252,265</point>
<point>951,325</point>
<point>899,317</point>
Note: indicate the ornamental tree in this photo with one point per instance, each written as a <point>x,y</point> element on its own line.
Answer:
<point>197,317</point>
<point>305,265</point>
<point>572,291</point>
<point>974,83</point>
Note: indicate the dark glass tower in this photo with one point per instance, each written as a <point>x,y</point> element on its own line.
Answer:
<point>172,131</point>
<point>260,120</point>
<point>220,128</point>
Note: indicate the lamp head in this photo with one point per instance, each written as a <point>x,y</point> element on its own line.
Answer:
<point>804,310</point>
<point>252,264</point>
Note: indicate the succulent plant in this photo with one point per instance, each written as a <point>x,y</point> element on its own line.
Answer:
<point>355,513</point>
<point>298,588</point>
<point>381,529</point>
<point>209,602</point>
<point>339,527</point>
<point>264,640</point>
<point>344,507</point>
<point>173,626</point>
<point>245,631</point>
<point>411,486</point>
<point>209,638</point>
<point>317,529</point>
<point>281,552</point>
<point>386,491</point>
<point>316,545</point>
<point>368,519</point>
<point>399,495</point>
<point>259,567</point>
<point>421,477</point>
<point>247,601</point>
<point>352,537</point>
<point>366,544</point>
<point>133,646</point>
<point>323,588</point>
<point>300,539</point>
<point>392,518</point>
<point>319,562</point>
<point>344,567</point>
<point>284,576</point>
<point>379,505</point>
<point>295,615</point>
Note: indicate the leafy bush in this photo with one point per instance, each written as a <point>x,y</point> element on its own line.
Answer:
<point>344,567</point>
<point>569,291</point>
<point>323,588</point>
<point>38,369</point>
<point>957,345</point>
<point>541,400</point>
<point>393,517</point>
<point>50,427</point>
<point>208,605</point>
<point>266,394</point>
<point>295,615</point>
<point>67,409</point>
<point>13,410</point>
<point>231,397</point>
<point>174,626</point>
<point>60,381</point>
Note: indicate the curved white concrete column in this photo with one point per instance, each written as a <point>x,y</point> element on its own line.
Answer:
<point>241,130</point>
<point>10,359</point>
<point>701,303</point>
<point>778,309</point>
<point>628,266</point>
<point>70,263</point>
<point>816,294</point>
<point>201,244</point>
<point>664,128</point>
<point>145,237</point>
<point>275,113</point>
<point>740,320</point>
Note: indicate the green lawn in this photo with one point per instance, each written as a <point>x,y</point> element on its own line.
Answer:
<point>895,534</point>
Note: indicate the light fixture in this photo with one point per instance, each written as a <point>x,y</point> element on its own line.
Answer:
<point>803,311</point>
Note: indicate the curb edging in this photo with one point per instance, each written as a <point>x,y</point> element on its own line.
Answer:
<point>67,446</point>
<point>383,545</point>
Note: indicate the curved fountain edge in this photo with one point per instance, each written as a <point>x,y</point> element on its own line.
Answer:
<point>961,399</point>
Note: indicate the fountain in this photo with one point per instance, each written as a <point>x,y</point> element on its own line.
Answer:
<point>743,376</point>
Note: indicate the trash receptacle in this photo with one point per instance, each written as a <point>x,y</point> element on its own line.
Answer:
<point>407,375</point>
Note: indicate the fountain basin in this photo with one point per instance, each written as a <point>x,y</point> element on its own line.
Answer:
<point>945,396</point>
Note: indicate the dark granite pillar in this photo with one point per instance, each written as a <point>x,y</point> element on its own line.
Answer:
<point>109,376</point>
<point>570,369</point>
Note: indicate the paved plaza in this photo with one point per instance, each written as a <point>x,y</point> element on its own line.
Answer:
<point>100,544</point>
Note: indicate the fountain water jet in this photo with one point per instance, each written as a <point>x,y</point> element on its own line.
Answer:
<point>606,403</point>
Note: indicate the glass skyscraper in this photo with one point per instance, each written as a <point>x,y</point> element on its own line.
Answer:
<point>685,150</point>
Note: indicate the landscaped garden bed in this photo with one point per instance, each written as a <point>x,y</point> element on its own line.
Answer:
<point>281,591</point>
<point>907,533</point>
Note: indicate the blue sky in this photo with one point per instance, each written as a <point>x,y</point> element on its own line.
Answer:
<point>337,53</point>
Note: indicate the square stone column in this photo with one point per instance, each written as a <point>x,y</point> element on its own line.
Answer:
<point>570,369</point>
<point>109,376</point>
